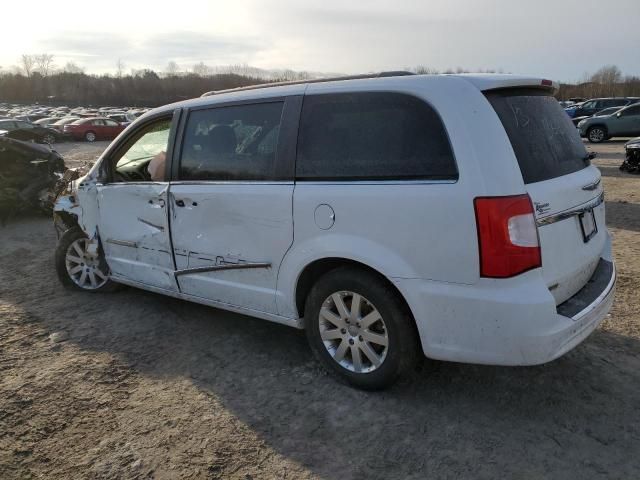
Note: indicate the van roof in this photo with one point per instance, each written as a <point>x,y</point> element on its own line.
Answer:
<point>481,81</point>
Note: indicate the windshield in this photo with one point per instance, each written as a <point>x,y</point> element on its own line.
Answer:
<point>545,141</point>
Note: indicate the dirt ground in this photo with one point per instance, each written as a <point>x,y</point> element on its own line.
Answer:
<point>138,385</point>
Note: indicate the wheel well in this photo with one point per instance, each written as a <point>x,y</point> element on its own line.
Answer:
<point>598,125</point>
<point>315,270</point>
<point>69,220</point>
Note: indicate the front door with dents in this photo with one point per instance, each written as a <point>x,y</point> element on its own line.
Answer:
<point>231,204</point>
<point>133,224</point>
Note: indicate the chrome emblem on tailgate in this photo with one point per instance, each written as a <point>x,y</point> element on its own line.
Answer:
<point>542,208</point>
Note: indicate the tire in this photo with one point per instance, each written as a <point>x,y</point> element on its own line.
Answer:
<point>337,343</point>
<point>90,136</point>
<point>49,138</point>
<point>91,275</point>
<point>597,134</point>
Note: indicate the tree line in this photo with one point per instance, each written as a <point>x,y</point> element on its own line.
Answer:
<point>36,79</point>
<point>608,81</point>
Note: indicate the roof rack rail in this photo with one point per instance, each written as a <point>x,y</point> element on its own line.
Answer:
<point>395,73</point>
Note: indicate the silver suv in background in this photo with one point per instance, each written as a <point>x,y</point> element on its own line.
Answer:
<point>624,122</point>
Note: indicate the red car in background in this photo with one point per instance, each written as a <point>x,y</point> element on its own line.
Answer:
<point>92,129</point>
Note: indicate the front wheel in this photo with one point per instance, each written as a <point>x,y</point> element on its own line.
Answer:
<point>359,329</point>
<point>78,268</point>
<point>90,137</point>
<point>49,138</point>
<point>597,134</point>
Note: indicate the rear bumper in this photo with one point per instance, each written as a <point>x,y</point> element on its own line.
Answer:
<point>507,322</point>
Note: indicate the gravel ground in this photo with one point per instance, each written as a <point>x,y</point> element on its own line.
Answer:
<point>138,385</point>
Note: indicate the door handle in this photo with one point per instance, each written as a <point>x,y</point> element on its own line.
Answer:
<point>179,203</point>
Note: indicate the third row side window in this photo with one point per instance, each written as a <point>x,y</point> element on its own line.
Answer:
<point>372,136</point>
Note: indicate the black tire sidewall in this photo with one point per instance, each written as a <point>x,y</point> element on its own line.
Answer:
<point>401,353</point>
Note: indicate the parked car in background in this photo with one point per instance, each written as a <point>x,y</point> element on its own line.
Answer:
<point>375,213</point>
<point>631,162</point>
<point>122,118</point>
<point>29,118</point>
<point>624,123</point>
<point>92,129</point>
<point>25,131</point>
<point>46,122</point>
<point>571,109</point>
<point>606,111</point>
<point>61,122</point>
<point>594,105</point>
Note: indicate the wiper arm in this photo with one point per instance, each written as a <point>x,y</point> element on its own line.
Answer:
<point>590,156</point>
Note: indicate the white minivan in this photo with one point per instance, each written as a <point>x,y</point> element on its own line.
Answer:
<point>390,216</point>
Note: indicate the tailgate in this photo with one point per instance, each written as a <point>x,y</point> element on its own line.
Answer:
<point>565,189</point>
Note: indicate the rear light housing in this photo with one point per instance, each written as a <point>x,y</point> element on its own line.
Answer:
<point>507,236</point>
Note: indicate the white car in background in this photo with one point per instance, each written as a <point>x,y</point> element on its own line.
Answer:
<point>456,217</point>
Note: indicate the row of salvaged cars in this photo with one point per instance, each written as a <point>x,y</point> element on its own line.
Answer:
<point>41,124</point>
<point>600,119</point>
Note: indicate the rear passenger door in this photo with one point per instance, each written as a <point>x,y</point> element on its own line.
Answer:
<point>231,201</point>
<point>628,123</point>
<point>98,127</point>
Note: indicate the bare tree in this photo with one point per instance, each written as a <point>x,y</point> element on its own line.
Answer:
<point>120,66</point>
<point>44,63</point>
<point>72,67</point>
<point>423,69</point>
<point>201,69</point>
<point>172,69</point>
<point>608,77</point>
<point>27,62</point>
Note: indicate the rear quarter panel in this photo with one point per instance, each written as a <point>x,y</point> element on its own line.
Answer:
<point>408,230</point>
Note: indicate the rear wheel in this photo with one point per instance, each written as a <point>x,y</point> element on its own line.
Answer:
<point>359,329</point>
<point>597,134</point>
<point>90,136</point>
<point>77,268</point>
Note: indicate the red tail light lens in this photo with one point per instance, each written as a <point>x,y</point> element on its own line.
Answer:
<point>507,236</point>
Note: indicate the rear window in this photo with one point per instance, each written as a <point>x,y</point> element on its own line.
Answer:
<point>372,136</point>
<point>545,141</point>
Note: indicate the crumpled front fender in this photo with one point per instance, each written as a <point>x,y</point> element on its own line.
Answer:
<point>82,203</point>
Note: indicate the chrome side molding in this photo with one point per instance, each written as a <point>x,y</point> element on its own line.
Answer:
<point>146,222</point>
<point>571,213</point>
<point>226,266</point>
<point>122,243</point>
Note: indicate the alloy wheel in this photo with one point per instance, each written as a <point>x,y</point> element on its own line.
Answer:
<point>84,269</point>
<point>596,135</point>
<point>353,332</point>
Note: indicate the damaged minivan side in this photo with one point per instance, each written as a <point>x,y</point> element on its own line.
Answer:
<point>391,217</point>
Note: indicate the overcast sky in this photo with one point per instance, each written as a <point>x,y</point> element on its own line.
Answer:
<point>560,39</point>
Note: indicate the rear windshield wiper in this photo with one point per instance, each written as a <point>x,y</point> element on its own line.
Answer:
<point>590,156</point>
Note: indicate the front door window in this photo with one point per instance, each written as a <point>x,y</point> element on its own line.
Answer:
<point>144,157</point>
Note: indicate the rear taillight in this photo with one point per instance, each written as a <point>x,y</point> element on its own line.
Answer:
<point>507,236</point>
